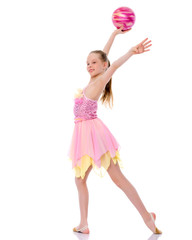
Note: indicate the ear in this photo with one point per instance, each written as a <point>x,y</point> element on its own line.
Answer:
<point>105,65</point>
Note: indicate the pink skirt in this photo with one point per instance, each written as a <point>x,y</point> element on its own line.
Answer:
<point>93,144</point>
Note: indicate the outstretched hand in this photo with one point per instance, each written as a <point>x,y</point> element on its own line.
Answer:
<point>121,31</point>
<point>141,47</point>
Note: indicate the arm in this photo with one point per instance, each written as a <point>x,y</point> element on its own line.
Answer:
<point>138,49</point>
<point>111,39</point>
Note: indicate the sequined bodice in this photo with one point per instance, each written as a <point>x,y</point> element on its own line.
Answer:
<point>84,108</point>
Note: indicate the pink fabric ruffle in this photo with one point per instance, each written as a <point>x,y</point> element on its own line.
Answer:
<point>93,138</point>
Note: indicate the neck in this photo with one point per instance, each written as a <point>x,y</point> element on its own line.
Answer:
<point>93,79</point>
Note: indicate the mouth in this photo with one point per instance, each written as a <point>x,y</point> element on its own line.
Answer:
<point>91,70</point>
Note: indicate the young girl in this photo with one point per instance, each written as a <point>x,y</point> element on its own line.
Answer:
<point>93,145</point>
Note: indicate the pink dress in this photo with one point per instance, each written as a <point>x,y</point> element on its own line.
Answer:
<point>92,143</point>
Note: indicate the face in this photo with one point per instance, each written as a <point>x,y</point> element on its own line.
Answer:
<point>95,66</point>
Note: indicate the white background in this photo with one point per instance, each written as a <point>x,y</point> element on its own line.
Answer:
<point>43,51</point>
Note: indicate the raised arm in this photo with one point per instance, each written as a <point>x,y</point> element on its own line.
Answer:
<point>138,49</point>
<point>111,39</point>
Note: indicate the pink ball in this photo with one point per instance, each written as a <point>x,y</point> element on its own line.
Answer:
<point>123,16</point>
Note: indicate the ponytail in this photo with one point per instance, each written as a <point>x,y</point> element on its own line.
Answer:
<point>107,97</point>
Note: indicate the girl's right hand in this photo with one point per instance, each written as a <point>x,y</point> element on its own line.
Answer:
<point>121,31</point>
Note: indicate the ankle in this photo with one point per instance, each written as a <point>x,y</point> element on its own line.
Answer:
<point>83,223</point>
<point>147,217</point>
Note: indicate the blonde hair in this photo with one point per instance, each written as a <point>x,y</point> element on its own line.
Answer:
<point>107,96</point>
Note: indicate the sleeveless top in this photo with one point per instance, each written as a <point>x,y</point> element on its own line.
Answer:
<point>84,108</point>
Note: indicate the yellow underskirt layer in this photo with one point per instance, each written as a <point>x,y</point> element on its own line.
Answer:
<point>87,161</point>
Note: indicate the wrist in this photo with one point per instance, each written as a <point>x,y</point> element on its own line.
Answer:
<point>131,52</point>
<point>115,33</point>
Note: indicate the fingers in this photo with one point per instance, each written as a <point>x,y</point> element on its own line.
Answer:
<point>124,31</point>
<point>146,50</point>
<point>143,41</point>
<point>146,43</point>
<point>147,46</point>
<point>142,49</point>
<point>121,28</point>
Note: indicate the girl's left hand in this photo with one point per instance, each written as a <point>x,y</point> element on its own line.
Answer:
<point>141,47</point>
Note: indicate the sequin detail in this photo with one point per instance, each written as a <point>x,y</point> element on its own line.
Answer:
<point>84,108</point>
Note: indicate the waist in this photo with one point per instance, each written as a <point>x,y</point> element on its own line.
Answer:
<point>76,120</point>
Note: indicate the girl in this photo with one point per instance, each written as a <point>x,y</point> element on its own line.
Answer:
<point>93,145</point>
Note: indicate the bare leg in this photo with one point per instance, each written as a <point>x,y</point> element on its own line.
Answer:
<point>83,198</point>
<point>121,181</point>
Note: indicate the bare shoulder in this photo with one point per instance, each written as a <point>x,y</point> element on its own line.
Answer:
<point>95,90</point>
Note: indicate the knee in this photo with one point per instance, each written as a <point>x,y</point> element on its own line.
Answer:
<point>117,181</point>
<point>80,182</point>
<point>115,174</point>
<point>118,178</point>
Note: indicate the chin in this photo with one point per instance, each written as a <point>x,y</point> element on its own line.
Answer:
<point>93,74</point>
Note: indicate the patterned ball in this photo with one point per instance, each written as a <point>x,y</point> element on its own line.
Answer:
<point>123,16</point>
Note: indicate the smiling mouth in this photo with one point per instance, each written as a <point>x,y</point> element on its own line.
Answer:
<point>91,70</point>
